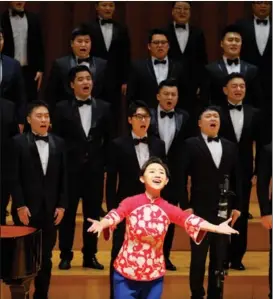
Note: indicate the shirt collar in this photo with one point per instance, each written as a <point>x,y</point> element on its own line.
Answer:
<point>137,137</point>
<point>267,18</point>
<point>79,99</point>
<point>240,103</point>
<point>161,109</point>
<point>205,137</point>
<point>39,134</point>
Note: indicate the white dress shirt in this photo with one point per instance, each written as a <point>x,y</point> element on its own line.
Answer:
<point>86,117</point>
<point>161,70</point>
<point>232,68</point>
<point>182,36</point>
<point>43,150</point>
<point>142,151</point>
<point>20,35</point>
<point>215,149</point>
<point>107,33</point>
<point>261,34</point>
<point>166,128</point>
<point>237,119</point>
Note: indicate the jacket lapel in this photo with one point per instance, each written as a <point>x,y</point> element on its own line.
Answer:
<point>247,120</point>
<point>151,71</point>
<point>204,148</point>
<point>100,36</point>
<point>178,122</point>
<point>222,67</point>
<point>34,154</point>
<point>77,118</point>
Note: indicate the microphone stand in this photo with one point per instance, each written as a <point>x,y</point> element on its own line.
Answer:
<point>222,243</point>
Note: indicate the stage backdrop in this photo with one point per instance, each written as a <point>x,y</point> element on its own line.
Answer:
<point>59,17</point>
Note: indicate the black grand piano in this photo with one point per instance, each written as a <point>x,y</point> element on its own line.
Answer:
<point>20,248</point>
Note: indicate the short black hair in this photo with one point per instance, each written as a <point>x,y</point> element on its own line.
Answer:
<point>232,76</point>
<point>154,31</point>
<point>76,69</point>
<point>231,28</point>
<point>80,30</point>
<point>35,104</point>
<point>171,82</point>
<point>135,105</point>
<point>156,160</point>
<point>174,2</point>
<point>209,108</point>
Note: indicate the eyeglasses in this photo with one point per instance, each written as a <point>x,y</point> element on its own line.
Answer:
<point>141,116</point>
<point>181,9</point>
<point>158,42</point>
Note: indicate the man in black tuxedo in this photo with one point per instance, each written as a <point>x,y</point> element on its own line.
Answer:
<point>231,62</point>
<point>208,159</point>
<point>240,123</point>
<point>38,185</point>
<point>187,44</point>
<point>8,129</point>
<point>84,124</point>
<point>264,192</point>
<point>257,49</point>
<point>148,73</point>
<point>58,88</point>
<point>24,42</point>
<point>170,124</point>
<point>12,83</point>
<point>110,41</point>
<point>126,156</point>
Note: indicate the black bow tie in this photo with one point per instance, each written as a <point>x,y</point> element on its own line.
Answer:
<point>160,61</point>
<point>38,137</point>
<point>141,140</point>
<point>81,60</point>
<point>259,21</point>
<point>86,102</point>
<point>103,22</point>
<point>216,139</point>
<point>237,107</point>
<point>231,61</point>
<point>183,26</point>
<point>169,114</point>
<point>15,13</point>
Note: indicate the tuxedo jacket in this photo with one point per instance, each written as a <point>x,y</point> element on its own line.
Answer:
<point>251,132</point>
<point>194,55</point>
<point>8,129</point>
<point>12,86</point>
<point>172,192</point>
<point>58,85</point>
<point>35,48</point>
<point>263,180</point>
<point>143,85</point>
<point>82,149</point>
<point>29,186</point>
<point>118,56</point>
<point>214,78</point>
<point>123,167</point>
<point>206,177</point>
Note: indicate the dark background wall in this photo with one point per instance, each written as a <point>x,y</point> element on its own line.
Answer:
<point>59,17</point>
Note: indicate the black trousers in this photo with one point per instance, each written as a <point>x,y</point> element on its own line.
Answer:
<point>30,85</point>
<point>238,244</point>
<point>45,221</point>
<point>218,250</point>
<point>87,185</point>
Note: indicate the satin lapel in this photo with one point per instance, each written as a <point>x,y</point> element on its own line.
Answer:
<point>100,35</point>
<point>202,145</point>
<point>151,71</point>
<point>154,121</point>
<point>51,154</point>
<point>178,122</point>
<point>229,123</point>
<point>244,68</point>
<point>222,67</point>
<point>224,154</point>
<point>130,148</point>
<point>34,154</point>
<point>114,36</point>
<point>95,113</point>
<point>247,120</point>
<point>77,118</point>
<point>170,70</point>
<point>72,61</point>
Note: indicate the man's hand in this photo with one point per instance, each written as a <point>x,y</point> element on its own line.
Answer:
<point>190,211</point>
<point>235,214</point>
<point>39,78</point>
<point>267,221</point>
<point>254,180</point>
<point>59,214</point>
<point>124,89</point>
<point>24,214</point>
